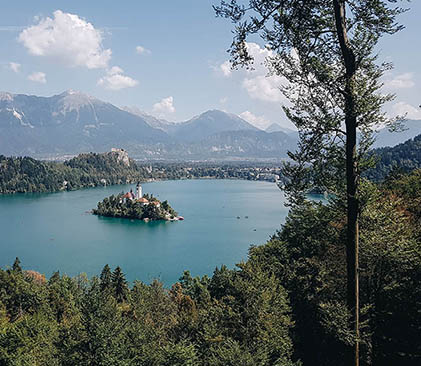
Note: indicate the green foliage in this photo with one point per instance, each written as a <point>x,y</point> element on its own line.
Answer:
<point>25,174</point>
<point>105,278</point>
<point>325,50</point>
<point>308,257</point>
<point>16,265</point>
<point>119,285</point>
<point>65,321</point>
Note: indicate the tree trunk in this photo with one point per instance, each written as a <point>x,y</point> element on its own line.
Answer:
<point>351,175</point>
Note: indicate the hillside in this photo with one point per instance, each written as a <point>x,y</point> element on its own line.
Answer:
<point>25,174</point>
<point>404,157</point>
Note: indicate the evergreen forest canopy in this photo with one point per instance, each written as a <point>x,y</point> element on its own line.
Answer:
<point>286,305</point>
<point>405,157</point>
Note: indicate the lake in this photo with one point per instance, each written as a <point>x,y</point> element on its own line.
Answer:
<point>55,231</point>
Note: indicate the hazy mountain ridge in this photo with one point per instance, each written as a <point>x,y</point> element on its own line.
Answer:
<point>386,138</point>
<point>209,123</point>
<point>72,122</point>
<point>197,128</point>
<point>152,121</point>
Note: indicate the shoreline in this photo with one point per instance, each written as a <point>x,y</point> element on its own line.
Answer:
<point>151,180</point>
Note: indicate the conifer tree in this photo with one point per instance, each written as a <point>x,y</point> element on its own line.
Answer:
<point>16,266</point>
<point>105,278</point>
<point>119,285</point>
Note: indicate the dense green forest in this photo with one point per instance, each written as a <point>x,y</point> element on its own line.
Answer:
<point>25,174</point>
<point>404,157</point>
<point>118,206</point>
<point>284,306</point>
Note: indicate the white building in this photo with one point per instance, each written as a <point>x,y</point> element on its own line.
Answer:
<point>139,194</point>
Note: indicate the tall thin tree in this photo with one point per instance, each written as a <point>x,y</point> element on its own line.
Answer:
<point>324,50</point>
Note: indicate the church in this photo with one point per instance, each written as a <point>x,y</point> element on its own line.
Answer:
<point>138,196</point>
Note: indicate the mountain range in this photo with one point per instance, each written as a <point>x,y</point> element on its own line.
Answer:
<point>72,122</point>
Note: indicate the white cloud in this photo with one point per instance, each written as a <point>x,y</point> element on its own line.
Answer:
<point>226,68</point>
<point>116,80</point>
<point>164,107</point>
<point>67,38</point>
<point>143,51</point>
<point>264,88</point>
<point>256,81</point>
<point>223,100</point>
<point>38,77</point>
<point>14,66</point>
<point>402,108</point>
<point>402,81</point>
<point>257,121</point>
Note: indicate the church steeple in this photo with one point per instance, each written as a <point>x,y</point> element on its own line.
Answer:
<point>139,194</point>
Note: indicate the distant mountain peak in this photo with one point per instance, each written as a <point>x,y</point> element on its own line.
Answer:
<point>216,113</point>
<point>74,100</point>
<point>71,92</point>
<point>75,94</point>
<point>5,96</point>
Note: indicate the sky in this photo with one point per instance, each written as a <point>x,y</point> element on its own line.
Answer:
<point>168,58</point>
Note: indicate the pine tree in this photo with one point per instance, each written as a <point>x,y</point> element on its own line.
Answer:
<point>16,266</point>
<point>119,285</point>
<point>105,278</point>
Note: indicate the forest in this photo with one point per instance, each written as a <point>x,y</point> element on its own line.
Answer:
<point>25,174</point>
<point>284,306</point>
<point>404,157</point>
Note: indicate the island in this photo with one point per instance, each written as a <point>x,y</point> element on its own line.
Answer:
<point>136,206</point>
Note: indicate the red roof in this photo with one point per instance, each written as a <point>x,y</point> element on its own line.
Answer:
<point>142,200</point>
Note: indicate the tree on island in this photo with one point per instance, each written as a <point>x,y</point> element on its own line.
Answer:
<point>324,50</point>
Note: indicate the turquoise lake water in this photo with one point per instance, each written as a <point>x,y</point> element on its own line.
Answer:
<point>55,231</point>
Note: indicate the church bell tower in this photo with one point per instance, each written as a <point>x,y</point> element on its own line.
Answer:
<point>139,194</point>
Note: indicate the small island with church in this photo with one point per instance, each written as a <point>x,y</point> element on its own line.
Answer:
<point>136,206</point>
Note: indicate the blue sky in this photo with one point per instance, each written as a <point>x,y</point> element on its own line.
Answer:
<point>180,69</point>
